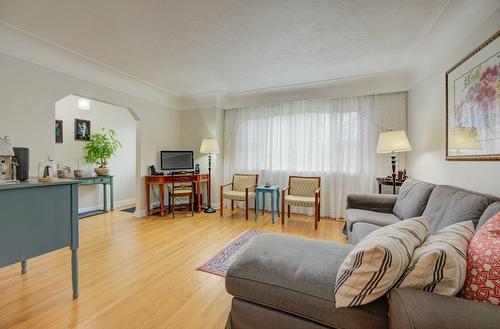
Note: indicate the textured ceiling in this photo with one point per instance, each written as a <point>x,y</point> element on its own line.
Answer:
<point>196,46</point>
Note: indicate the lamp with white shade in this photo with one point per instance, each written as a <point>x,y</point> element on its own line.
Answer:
<point>393,142</point>
<point>209,146</point>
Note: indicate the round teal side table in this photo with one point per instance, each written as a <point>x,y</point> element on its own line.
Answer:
<point>274,191</point>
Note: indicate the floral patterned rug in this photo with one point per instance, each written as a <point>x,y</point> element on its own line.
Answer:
<point>219,264</point>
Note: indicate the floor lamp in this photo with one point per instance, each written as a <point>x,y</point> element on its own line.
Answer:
<point>209,146</point>
<point>393,142</point>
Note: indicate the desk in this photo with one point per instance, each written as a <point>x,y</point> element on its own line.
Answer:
<point>167,179</point>
<point>261,189</point>
<point>37,218</point>
<point>387,181</point>
<point>104,181</point>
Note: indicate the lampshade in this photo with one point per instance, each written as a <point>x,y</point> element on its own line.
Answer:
<point>393,141</point>
<point>209,145</point>
<point>464,138</point>
<point>6,147</point>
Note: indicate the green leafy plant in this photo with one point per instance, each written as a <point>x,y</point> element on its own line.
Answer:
<point>102,147</point>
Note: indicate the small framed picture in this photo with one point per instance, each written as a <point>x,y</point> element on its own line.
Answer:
<point>82,130</point>
<point>59,131</point>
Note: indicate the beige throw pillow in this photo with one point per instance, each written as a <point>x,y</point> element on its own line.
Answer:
<point>378,261</point>
<point>439,265</point>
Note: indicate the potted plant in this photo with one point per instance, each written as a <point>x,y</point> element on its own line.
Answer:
<point>101,148</point>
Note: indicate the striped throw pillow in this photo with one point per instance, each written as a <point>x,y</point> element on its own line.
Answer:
<point>378,261</point>
<point>439,265</point>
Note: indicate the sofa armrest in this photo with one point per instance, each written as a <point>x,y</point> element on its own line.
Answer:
<point>373,202</point>
<point>415,309</point>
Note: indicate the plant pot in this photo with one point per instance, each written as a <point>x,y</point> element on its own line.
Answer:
<point>78,173</point>
<point>101,171</point>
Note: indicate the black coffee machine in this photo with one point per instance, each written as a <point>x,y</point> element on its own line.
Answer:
<point>22,158</point>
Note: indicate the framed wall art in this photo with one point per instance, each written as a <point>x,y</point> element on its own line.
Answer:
<point>473,104</point>
<point>59,132</point>
<point>82,130</point>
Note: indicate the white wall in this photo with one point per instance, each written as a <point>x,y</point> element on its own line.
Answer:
<point>426,125</point>
<point>122,165</point>
<point>29,91</point>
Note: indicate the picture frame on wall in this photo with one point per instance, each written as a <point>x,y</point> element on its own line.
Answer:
<point>82,130</point>
<point>473,105</point>
<point>59,132</point>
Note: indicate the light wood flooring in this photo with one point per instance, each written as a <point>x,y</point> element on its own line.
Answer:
<point>137,273</point>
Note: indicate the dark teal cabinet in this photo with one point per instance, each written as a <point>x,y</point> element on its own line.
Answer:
<point>37,218</point>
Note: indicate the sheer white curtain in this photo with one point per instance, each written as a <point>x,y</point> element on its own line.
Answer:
<point>332,138</point>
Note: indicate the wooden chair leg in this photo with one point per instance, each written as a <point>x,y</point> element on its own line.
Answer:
<point>169,204</point>
<point>246,208</point>
<point>173,206</point>
<point>288,212</point>
<point>315,216</point>
<point>283,210</point>
<point>221,202</point>
<point>232,205</point>
<point>191,201</point>
<point>319,211</point>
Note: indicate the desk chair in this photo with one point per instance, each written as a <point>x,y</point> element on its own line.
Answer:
<point>182,185</point>
<point>303,191</point>
<point>242,189</point>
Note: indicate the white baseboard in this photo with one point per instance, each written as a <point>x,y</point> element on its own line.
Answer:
<point>100,206</point>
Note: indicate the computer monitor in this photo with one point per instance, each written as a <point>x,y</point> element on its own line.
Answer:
<point>176,160</point>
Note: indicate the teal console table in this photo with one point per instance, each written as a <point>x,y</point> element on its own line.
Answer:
<point>37,218</point>
<point>272,190</point>
<point>99,180</point>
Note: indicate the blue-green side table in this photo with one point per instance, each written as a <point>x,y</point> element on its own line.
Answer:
<point>274,191</point>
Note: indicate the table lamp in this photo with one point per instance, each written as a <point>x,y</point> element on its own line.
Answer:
<point>393,142</point>
<point>209,146</point>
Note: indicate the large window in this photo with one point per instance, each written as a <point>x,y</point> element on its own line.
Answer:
<point>332,138</point>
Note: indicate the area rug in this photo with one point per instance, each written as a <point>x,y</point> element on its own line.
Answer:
<point>219,264</point>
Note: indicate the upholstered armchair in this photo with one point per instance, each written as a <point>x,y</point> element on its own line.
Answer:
<point>303,191</point>
<point>242,189</point>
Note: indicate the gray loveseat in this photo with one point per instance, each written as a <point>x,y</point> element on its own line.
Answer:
<point>282,281</point>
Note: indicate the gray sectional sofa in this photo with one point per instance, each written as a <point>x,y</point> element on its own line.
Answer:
<point>441,204</point>
<point>282,281</point>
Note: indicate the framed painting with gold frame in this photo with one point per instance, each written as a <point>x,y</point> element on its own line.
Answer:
<point>473,104</point>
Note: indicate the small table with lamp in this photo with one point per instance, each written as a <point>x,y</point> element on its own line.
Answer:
<point>393,142</point>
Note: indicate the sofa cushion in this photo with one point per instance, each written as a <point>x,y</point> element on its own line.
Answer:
<point>299,201</point>
<point>367,216</point>
<point>360,230</point>
<point>412,198</point>
<point>448,205</point>
<point>491,211</point>
<point>297,275</point>
<point>483,264</point>
<point>377,262</point>
<point>237,195</point>
<point>439,264</point>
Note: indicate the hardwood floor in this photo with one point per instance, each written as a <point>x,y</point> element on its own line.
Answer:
<point>137,273</point>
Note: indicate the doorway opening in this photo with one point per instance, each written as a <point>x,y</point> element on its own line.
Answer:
<point>79,117</point>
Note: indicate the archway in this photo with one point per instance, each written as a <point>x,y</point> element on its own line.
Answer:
<point>125,166</point>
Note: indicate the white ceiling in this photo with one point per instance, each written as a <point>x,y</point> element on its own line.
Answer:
<point>198,46</point>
